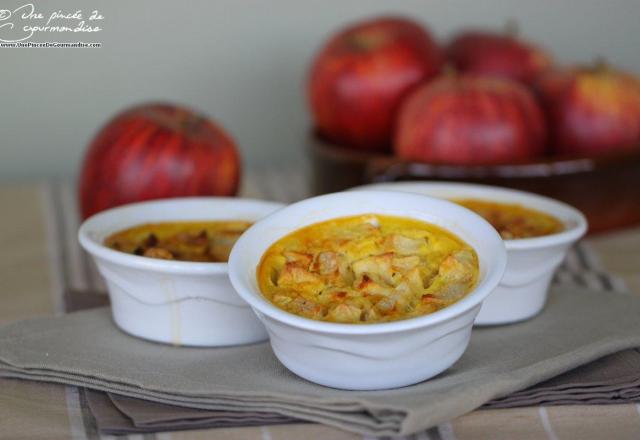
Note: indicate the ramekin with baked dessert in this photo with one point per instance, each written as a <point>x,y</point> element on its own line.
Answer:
<point>538,232</point>
<point>368,290</point>
<point>165,265</point>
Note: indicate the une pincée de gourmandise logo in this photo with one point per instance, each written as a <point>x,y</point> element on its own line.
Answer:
<point>27,23</point>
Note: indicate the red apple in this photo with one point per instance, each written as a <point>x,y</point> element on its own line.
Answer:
<point>157,151</point>
<point>501,55</point>
<point>469,119</point>
<point>361,75</point>
<point>592,110</point>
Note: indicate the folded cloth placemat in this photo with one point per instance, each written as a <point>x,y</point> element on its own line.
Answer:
<point>609,380</point>
<point>86,349</point>
<point>124,415</point>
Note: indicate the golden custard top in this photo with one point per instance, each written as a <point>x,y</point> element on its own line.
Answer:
<point>366,269</point>
<point>514,221</point>
<point>209,241</point>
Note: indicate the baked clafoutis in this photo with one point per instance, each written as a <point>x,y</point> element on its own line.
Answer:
<point>367,268</point>
<point>204,241</point>
<point>513,221</point>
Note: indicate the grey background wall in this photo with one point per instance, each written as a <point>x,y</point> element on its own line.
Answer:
<point>243,62</point>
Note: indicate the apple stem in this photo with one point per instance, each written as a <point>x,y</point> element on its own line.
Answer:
<point>511,28</point>
<point>192,123</point>
<point>600,64</point>
<point>449,70</point>
<point>364,42</point>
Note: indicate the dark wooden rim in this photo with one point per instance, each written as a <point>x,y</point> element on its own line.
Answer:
<point>385,167</point>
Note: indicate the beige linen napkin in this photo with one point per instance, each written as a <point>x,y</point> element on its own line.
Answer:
<point>85,349</point>
<point>609,380</point>
<point>124,415</point>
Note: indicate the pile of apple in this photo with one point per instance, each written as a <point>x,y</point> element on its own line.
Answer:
<point>487,98</point>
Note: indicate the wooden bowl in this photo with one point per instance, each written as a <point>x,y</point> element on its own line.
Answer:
<point>606,189</point>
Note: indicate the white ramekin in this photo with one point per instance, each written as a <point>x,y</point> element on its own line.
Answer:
<point>176,302</point>
<point>368,356</point>
<point>531,262</point>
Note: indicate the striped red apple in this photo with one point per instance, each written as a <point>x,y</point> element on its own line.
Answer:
<point>468,119</point>
<point>359,78</point>
<point>157,151</point>
<point>592,109</point>
<point>503,55</point>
